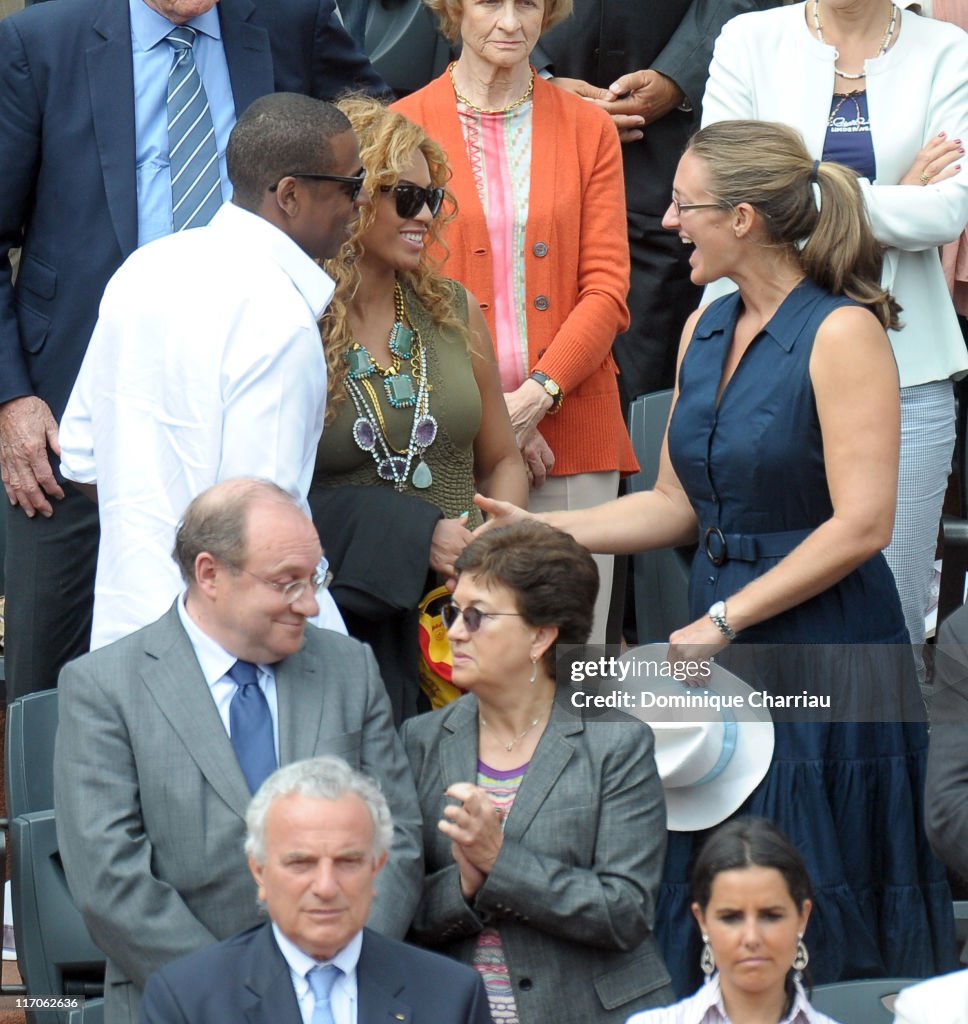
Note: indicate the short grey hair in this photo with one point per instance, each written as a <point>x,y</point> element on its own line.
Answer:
<point>321,778</point>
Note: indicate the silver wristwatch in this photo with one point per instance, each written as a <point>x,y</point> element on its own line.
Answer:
<point>718,614</point>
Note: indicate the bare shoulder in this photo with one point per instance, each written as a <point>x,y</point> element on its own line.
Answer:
<point>849,336</point>
<point>851,346</point>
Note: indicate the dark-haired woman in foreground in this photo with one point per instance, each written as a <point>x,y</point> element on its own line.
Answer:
<point>781,460</point>
<point>543,832</point>
<point>751,899</point>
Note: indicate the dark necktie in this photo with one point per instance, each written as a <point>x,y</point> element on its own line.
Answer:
<point>321,980</point>
<point>250,724</point>
<point>196,189</point>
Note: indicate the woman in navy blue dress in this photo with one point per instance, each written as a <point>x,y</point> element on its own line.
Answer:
<point>781,459</point>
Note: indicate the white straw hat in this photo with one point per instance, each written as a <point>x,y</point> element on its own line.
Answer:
<point>712,746</point>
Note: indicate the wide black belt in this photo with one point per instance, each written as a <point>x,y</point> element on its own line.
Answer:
<point>748,547</point>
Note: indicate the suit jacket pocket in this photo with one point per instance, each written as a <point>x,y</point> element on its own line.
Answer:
<point>36,287</point>
<point>643,973</point>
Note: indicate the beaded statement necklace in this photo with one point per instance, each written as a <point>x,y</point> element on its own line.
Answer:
<point>491,110</point>
<point>885,42</point>
<point>403,391</point>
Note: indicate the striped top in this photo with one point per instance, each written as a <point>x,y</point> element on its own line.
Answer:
<point>502,788</point>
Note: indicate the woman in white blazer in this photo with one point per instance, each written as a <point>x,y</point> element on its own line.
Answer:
<point>872,86</point>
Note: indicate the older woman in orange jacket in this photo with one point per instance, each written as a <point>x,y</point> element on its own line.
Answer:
<point>540,239</point>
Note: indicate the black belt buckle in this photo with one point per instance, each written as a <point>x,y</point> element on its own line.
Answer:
<point>716,553</point>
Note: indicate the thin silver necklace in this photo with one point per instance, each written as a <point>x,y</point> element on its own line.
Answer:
<point>517,739</point>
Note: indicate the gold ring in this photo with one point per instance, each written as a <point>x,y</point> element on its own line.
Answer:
<point>925,177</point>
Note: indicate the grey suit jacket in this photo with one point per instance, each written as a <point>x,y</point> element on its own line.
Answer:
<point>946,788</point>
<point>573,890</point>
<point>246,980</point>
<point>151,801</point>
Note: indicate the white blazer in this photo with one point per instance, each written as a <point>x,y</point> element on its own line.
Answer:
<point>768,66</point>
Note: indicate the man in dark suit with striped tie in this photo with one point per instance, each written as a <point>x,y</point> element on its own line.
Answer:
<point>164,736</point>
<point>85,167</point>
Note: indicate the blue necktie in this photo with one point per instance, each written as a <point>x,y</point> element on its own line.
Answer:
<point>250,724</point>
<point>196,189</point>
<point>321,980</point>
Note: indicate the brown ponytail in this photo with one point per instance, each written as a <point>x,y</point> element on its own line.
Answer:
<point>767,165</point>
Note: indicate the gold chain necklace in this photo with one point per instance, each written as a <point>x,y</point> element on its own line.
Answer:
<point>491,110</point>
<point>885,42</point>
<point>842,99</point>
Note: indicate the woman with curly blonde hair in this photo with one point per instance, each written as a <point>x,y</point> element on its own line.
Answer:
<point>415,409</point>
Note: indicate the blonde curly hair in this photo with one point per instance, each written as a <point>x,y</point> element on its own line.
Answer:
<point>387,143</point>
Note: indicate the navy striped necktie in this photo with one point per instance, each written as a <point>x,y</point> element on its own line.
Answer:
<point>196,189</point>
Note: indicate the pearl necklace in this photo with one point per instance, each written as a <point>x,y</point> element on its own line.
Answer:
<point>885,42</point>
<point>491,110</point>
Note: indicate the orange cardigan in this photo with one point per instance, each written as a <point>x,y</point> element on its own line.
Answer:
<point>576,261</point>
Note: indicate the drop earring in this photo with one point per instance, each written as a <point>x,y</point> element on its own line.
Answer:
<point>707,961</point>
<point>800,961</point>
<point>534,670</point>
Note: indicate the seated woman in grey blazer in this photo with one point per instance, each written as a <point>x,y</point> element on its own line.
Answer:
<point>544,830</point>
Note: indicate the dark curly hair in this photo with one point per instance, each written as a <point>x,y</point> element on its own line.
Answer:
<point>553,578</point>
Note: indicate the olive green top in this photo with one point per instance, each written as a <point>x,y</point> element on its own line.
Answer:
<point>455,403</point>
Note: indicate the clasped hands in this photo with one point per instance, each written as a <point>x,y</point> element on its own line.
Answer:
<point>527,406</point>
<point>633,101</point>
<point>475,828</point>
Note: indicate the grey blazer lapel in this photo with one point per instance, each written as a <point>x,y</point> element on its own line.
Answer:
<point>552,754</point>
<point>300,694</point>
<point>247,53</point>
<point>110,69</point>
<point>175,682</point>
<point>458,745</point>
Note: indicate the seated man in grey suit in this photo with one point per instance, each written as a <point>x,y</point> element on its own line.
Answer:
<point>318,836</point>
<point>165,735</point>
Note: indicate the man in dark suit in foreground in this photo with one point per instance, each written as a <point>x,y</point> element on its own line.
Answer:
<point>317,839</point>
<point>85,173</point>
<point>164,736</point>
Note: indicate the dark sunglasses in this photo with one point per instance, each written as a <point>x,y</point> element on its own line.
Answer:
<point>411,199</point>
<point>355,183</point>
<point>472,616</point>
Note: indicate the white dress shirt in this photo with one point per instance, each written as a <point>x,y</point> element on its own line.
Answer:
<point>706,1007</point>
<point>343,998</point>
<point>206,363</point>
<point>215,661</point>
